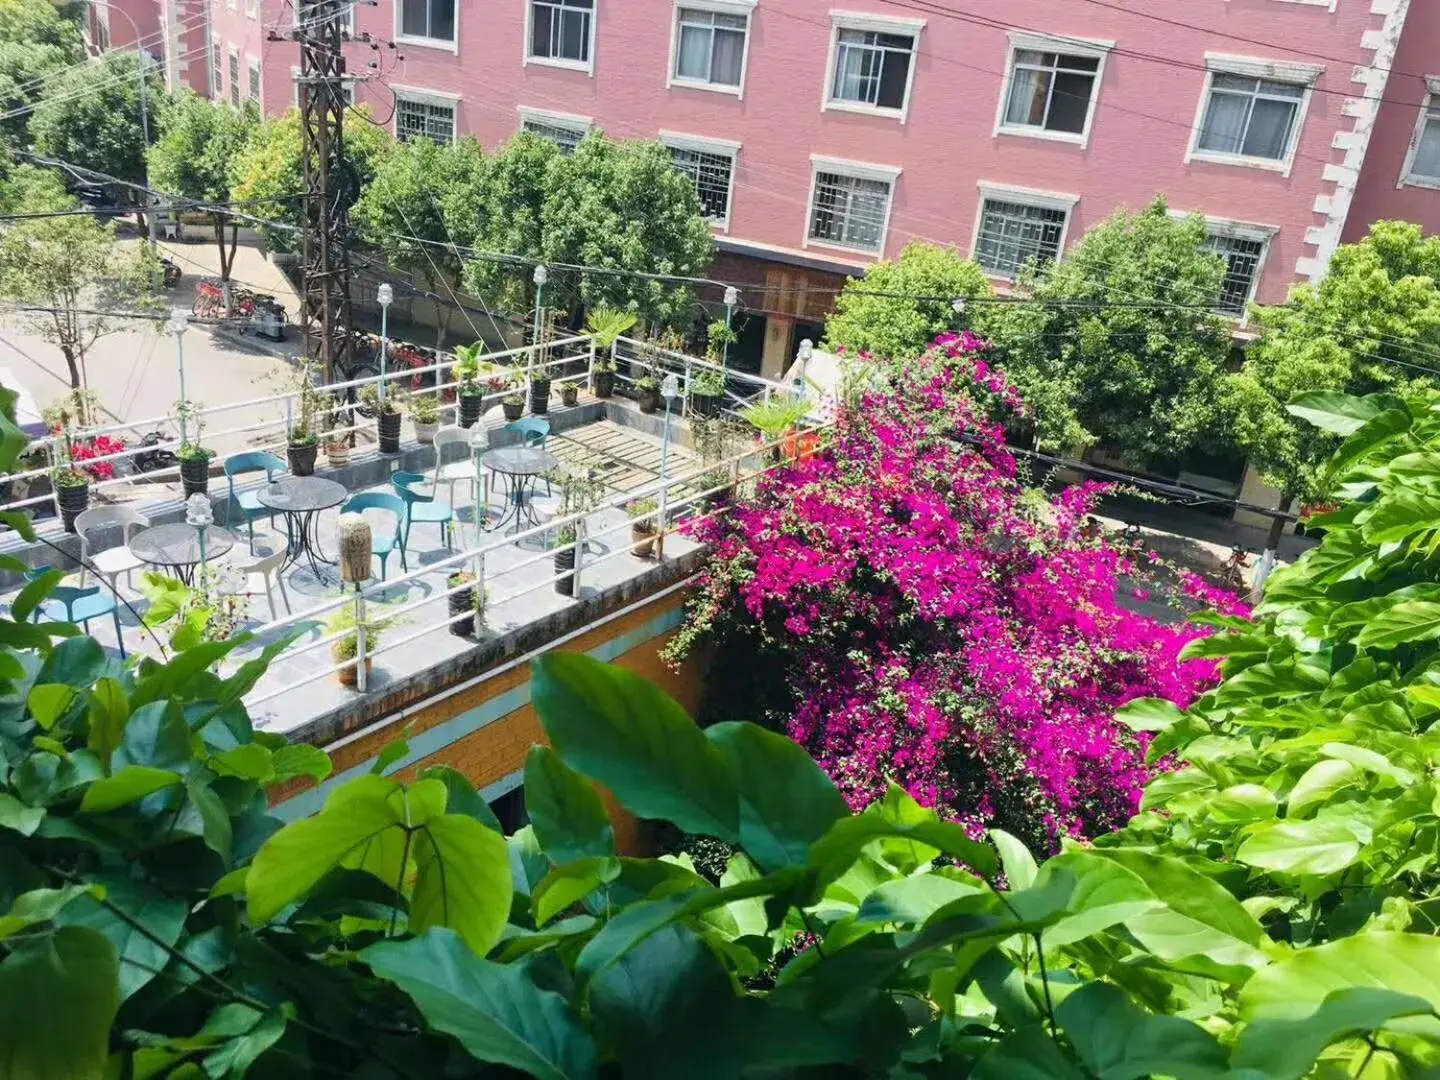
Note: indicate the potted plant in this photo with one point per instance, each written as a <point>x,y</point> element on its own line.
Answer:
<point>72,483</point>
<point>214,608</point>
<point>775,419</point>
<point>644,526</point>
<point>716,443</point>
<point>579,494</point>
<point>605,325</point>
<point>513,404</point>
<point>387,416</point>
<point>302,442</point>
<point>602,377</point>
<point>337,442</point>
<point>425,415</point>
<point>707,391</point>
<point>468,601</point>
<point>540,391</point>
<point>569,395</point>
<point>347,646</point>
<point>194,458</point>
<point>647,392</point>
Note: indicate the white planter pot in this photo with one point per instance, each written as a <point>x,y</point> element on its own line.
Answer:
<point>425,433</point>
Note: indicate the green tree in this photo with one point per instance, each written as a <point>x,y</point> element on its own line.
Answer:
<point>269,172</point>
<point>25,67</point>
<point>70,269</point>
<point>195,158</point>
<point>401,209</point>
<point>1118,343</point>
<point>880,312</point>
<point>1371,324</point>
<point>43,23</point>
<point>90,116</point>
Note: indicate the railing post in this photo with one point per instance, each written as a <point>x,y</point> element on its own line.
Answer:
<point>579,556</point>
<point>360,679</point>
<point>590,369</point>
<point>685,401</point>
<point>54,488</point>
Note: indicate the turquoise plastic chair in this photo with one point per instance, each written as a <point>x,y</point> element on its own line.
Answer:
<point>533,431</point>
<point>421,505</point>
<point>69,604</point>
<point>381,544</point>
<point>247,503</point>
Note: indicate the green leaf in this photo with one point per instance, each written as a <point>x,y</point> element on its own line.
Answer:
<point>462,798</point>
<point>569,884</point>
<point>1315,846</point>
<point>1015,857</point>
<point>462,880</point>
<point>34,593</point>
<point>49,702</point>
<point>155,735</point>
<point>250,1033</point>
<point>59,995</point>
<point>1188,893</point>
<point>1338,414</point>
<point>1150,713</point>
<point>39,905</point>
<point>1117,1040</point>
<point>494,1010</point>
<point>1368,760</point>
<point>1368,438</point>
<point>214,820</point>
<point>625,732</point>
<point>1400,515</point>
<point>1317,784</point>
<point>15,815</point>
<point>389,754</point>
<point>912,900</point>
<point>1241,803</point>
<point>1414,620</point>
<point>300,759</point>
<point>1270,681</point>
<point>77,662</point>
<point>122,788</point>
<point>1286,1049</point>
<point>1225,645</point>
<point>141,956</point>
<point>565,810</point>
<point>1027,1054</point>
<point>249,761</point>
<point>786,800</point>
<point>109,710</point>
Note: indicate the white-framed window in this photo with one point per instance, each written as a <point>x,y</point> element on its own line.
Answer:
<point>872,63</point>
<point>850,204</point>
<point>710,166</point>
<point>1251,111</point>
<point>1015,225</point>
<point>710,46</point>
<point>216,88</point>
<point>235,77</point>
<point>1422,161</point>
<point>254,70</point>
<point>560,32</point>
<point>1051,86</point>
<point>1244,256</point>
<point>422,114</point>
<point>426,21</point>
<point>565,130</point>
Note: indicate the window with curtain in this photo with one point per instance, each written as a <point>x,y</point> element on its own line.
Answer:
<point>1425,162</point>
<point>872,68</point>
<point>560,30</point>
<point>1012,233</point>
<point>1250,117</point>
<point>849,211</point>
<point>235,79</point>
<point>416,119</point>
<point>710,46</point>
<point>710,173</point>
<point>1242,266</point>
<point>215,72</point>
<point>255,80</point>
<point>1050,91</point>
<point>434,19</point>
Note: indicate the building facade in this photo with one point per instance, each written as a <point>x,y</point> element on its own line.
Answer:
<point>821,137</point>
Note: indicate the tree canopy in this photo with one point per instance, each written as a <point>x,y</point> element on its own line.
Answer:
<point>1371,324</point>
<point>90,116</point>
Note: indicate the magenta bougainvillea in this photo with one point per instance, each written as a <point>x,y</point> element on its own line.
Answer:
<point>940,623</point>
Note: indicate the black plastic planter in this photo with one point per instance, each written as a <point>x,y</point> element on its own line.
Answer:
<point>389,432</point>
<point>649,400</point>
<point>513,410</point>
<point>195,475</point>
<point>302,458</point>
<point>565,560</point>
<point>470,405</point>
<point>74,501</point>
<point>705,405</point>
<point>540,396</point>
<point>462,603</point>
<point>603,383</point>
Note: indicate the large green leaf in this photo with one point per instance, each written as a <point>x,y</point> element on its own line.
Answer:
<point>1295,987</point>
<point>1265,681</point>
<point>1400,515</point>
<point>1317,784</point>
<point>39,905</point>
<point>1414,620</point>
<point>461,796</point>
<point>34,592</point>
<point>1019,864</point>
<point>124,787</point>
<point>1286,1049</point>
<point>1336,413</point>
<point>569,884</point>
<point>1367,439</point>
<point>58,996</point>
<point>494,1010</point>
<point>77,662</point>
<point>1117,1040</point>
<point>1027,1054</point>
<point>786,800</point>
<point>247,1033</point>
<point>565,810</point>
<point>1149,713</point>
<point>141,955</point>
<point>462,880</point>
<point>1314,846</point>
<point>155,735</point>
<point>913,899</point>
<point>631,736</point>
<point>15,815</point>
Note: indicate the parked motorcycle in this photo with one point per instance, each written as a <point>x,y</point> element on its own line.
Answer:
<point>151,456</point>
<point>171,270</point>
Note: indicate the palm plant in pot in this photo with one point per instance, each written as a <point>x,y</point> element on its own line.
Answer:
<point>346,647</point>
<point>775,419</point>
<point>605,325</point>
<point>474,383</point>
<point>425,415</point>
<point>644,526</point>
<point>579,494</point>
<point>194,458</point>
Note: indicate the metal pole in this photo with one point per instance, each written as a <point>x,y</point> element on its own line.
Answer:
<point>360,679</point>
<point>579,556</point>
<point>541,276</point>
<point>385,294</point>
<point>179,323</point>
<point>669,390</point>
<point>732,297</point>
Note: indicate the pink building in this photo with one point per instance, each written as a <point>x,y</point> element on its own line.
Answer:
<point>820,137</point>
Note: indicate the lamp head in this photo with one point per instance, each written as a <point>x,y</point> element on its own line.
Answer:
<point>542,275</point>
<point>670,388</point>
<point>178,322</point>
<point>385,295</point>
<point>732,296</point>
<point>806,350</point>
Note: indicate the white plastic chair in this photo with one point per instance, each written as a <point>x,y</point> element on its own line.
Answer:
<point>462,469</point>
<point>113,562</point>
<point>267,568</point>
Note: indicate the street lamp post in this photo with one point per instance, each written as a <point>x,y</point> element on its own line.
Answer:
<point>178,323</point>
<point>806,350</point>
<point>732,297</point>
<point>542,275</point>
<point>669,390</point>
<point>385,295</point>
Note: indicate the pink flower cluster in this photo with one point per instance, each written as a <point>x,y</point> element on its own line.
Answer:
<point>83,450</point>
<point>938,623</point>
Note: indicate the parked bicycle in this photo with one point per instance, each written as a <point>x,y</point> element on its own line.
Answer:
<point>1232,570</point>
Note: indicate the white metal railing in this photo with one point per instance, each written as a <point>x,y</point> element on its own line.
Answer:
<point>685,367</point>
<point>565,351</point>
<point>669,510</point>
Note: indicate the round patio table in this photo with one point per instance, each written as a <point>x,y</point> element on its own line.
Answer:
<point>516,467</point>
<point>300,499</point>
<point>176,547</point>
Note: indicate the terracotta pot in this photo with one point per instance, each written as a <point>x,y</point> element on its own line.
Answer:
<point>337,454</point>
<point>642,540</point>
<point>350,676</point>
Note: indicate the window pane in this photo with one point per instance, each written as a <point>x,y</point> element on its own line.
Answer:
<point>849,211</point>
<point>442,19</point>
<point>893,75</point>
<point>1427,154</point>
<point>1281,89</point>
<point>1268,135</point>
<point>729,22</point>
<point>1242,262</point>
<point>539,30</point>
<point>575,35</point>
<point>414,18</point>
<point>851,66</point>
<point>693,60</point>
<point>729,51</point>
<point>1012,233</point>
<point>1079,63</point>
<point>1069,102</point>
<point>1028,90</point>
<point>1223,129</point>
<point>1242,83</point>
